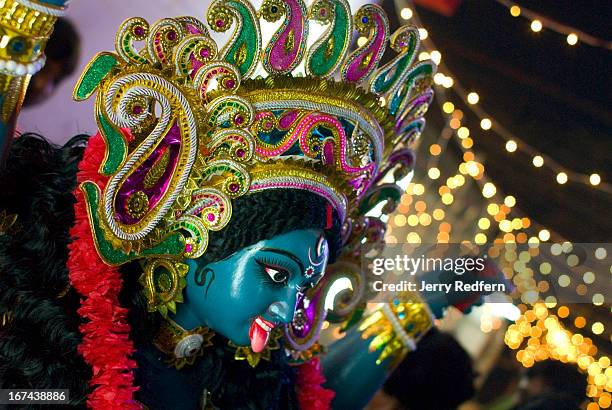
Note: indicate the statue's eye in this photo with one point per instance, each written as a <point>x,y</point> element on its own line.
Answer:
<point>272,272</point>
<point>277,275</point>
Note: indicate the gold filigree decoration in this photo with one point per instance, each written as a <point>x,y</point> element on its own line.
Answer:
<point>290,42</point>
<point>330,47</point>
<point>157,170</point>
<point>164,281</point>
<point>137,204</point>
<point>241,55</point>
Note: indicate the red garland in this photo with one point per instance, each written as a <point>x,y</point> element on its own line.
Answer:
<point>310,393</point>
<point>106,346</point>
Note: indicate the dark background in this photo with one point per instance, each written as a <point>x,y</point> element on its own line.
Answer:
<point>555,97</point>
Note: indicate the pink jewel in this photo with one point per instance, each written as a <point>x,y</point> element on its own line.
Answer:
<point>204,53</point>
<point>323,12</point>
<point>172,35</point>
<point>238,119</point>
<point>214,71</point>
<point>240,153</point>
<point>219,23</point>
<point>230,83</point>
<point>233,187</point>
<point>188,248</point>
<point>137,109</point>
<point>139,31</point>
<point>268,125</point>
<point>210,217</point>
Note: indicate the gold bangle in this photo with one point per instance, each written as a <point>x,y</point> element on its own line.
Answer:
<point>396,327</point>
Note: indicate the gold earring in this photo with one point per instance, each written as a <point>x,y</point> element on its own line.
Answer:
<point>182,346</point>
<point>164,281</point>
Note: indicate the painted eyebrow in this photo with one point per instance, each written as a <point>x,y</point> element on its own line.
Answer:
<point>287,254</point>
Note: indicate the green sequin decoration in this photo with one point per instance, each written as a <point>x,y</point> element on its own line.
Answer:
<point>115,146</point>
<point>399,100</point>
<point>244,50</point>
<point>324,61</point>
<point>405,40</point>
<point>98,68</point>
<point>382,83</point>
<point>389,193</point>
<point>172,246</point>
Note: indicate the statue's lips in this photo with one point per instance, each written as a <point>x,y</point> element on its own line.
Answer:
<point>259,333</point>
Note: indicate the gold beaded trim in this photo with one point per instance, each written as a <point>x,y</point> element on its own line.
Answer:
<point>25,20</point>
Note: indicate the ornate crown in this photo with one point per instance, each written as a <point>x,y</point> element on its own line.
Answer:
<point>189,126</point>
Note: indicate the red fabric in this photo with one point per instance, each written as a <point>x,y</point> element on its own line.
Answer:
<point>329,221</point>
<point>310,393</point>
<point>444,7</point>
<point>106,346</point>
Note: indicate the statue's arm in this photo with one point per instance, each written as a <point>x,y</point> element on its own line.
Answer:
<point>25,26</point>
<point>357,365</point>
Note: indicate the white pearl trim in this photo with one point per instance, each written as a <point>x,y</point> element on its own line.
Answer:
<point>406,340</point>
<point>15,69</point>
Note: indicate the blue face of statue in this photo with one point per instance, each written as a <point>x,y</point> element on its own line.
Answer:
<point>254,290</point>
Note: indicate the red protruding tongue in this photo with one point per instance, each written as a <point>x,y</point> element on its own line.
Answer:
<point>259,336</point>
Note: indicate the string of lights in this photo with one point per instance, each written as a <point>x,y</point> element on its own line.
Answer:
<point>538,334</point>
<point>547,337</point>
<point>499,206</point>
<point>498,209</point>
<point>538,22</point>
<point>512,143</point>
<point>471,166</point>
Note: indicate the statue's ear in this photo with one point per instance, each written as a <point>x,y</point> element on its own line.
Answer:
<point>163,281</point>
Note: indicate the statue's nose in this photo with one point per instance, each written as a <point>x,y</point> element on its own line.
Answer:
<point>281,312</point>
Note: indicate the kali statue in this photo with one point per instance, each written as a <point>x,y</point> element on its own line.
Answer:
<point>223,197</point>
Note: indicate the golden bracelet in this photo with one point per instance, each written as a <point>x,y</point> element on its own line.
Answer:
<point>397,326</point>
